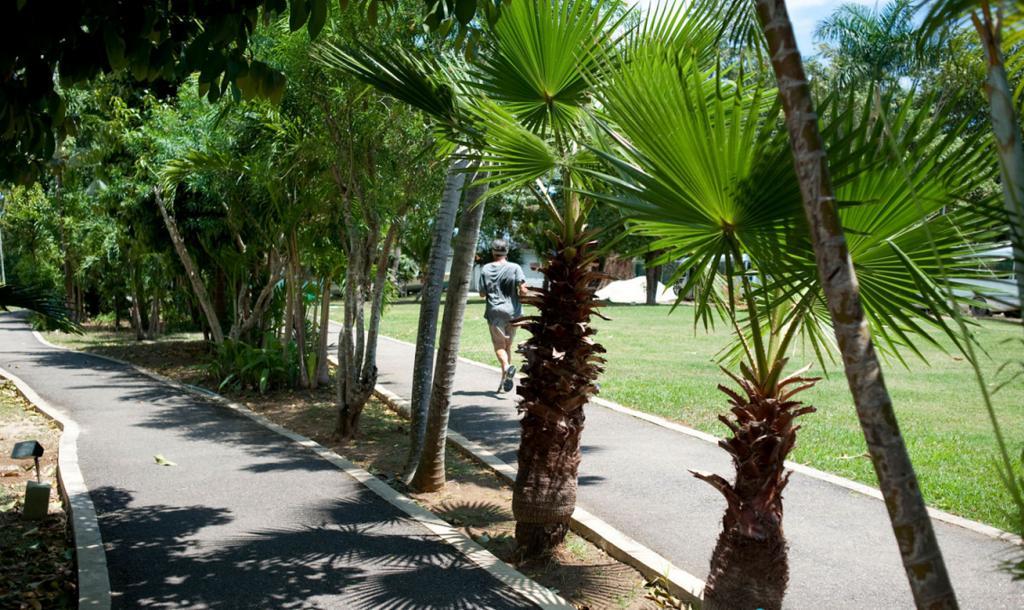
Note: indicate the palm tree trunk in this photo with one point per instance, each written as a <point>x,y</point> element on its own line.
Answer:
<point>562,365</point>
<point>430,475</point>
<point>323,374</point>
<point>137,313</point>
<point>190,270</point>
<point>919,549</point>
<point>426,331</point>
<point>1007,134</point>
<point>299,310</point>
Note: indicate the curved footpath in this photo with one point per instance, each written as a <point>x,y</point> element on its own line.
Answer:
<point>247,518</point>
<point>635,476</point>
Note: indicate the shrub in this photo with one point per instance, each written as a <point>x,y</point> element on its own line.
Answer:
<point>239,366</point>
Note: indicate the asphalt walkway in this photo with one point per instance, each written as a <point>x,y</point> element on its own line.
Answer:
<point>246,519</point>
<point>635,476</point>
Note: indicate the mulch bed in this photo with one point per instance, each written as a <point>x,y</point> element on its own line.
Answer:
<point>36,557</point>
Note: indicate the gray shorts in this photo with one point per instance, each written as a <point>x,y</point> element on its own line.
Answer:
<point>502,333</point>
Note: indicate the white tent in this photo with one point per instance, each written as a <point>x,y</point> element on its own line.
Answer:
<point>634,291</point>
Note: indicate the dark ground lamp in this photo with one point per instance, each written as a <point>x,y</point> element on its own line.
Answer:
<point>37,493</point>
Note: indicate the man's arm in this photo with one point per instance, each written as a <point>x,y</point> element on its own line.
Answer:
<point>521,279</point>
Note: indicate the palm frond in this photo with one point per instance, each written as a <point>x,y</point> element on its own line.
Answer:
<point>415,80</point>
<point>40,301</point>
<point>696,162</point>
<point>514,156</point>
<point>539,59</point>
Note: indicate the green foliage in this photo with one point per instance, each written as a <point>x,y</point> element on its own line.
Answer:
<point>876,45</point>
<point>701,165</point>
<point>153,42</point>
<point>238,366</point>
<point>51,313</point>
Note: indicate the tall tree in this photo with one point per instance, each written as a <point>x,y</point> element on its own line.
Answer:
<point>425,86</point>
<point>540,61</point>
<point>682,177</point>
<point>919,548</point>
<point>876,45</point>
<point>430,471</point>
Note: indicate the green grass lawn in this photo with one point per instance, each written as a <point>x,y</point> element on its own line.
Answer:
<point>658,365</point>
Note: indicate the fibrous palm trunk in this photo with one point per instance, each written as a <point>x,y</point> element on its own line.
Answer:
<point>919,549</point>
<point>562,364</point>
<point>749,566</point>
<point>430,475</point>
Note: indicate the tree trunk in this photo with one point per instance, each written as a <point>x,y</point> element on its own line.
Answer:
<point>137,316</point>
<point>562,364</point>
<point>289,302</point>
<point>919,549</point>
<point>1006,129</point>
<point>323,372</point>
<point>220,299</point>
<point>430,475</point>
<point>615,268</point>
<point>750,563</point>
<point>153,330</point>
<point>299,310</point>
<point>254,317</point>
<point>426,331</point>
<point>735,559</point>
<point>653,275</point>
<point>357,356</point>
<point>190,270</point>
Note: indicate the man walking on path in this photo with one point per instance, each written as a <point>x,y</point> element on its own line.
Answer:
<point>503,282</point>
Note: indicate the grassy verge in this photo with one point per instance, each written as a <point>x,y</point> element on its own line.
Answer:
<point>658,364</point>
<point>475,500</point>
<point>36,557</point>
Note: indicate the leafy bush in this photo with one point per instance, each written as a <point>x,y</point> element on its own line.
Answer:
<point>239,366</point>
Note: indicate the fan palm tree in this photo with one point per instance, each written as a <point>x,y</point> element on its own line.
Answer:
<point>525,100</point>
<point>919,548</point>
<point>701,165</point>
<point>535,72</point>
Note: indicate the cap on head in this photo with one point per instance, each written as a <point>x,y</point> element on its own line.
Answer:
<point>499,247</point>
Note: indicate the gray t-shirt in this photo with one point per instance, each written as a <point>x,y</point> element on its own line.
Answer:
<point>499,282</point>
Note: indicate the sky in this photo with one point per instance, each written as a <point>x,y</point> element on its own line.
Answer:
<point>805,15</point>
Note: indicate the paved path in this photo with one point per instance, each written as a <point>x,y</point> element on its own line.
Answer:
<point>246,519</point>
<point>635,476</point>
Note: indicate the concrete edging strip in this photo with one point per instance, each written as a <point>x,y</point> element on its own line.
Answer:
<point>539,595</point>
<point>935,513</point>
<point>678,582</point>
<point>90,556</point>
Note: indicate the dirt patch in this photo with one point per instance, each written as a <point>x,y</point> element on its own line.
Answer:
<point>475,500</point>
<point>37,560</point>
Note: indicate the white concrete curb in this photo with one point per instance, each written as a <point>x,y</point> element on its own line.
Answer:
<point>935,513</point>
<point>543,597</point>
<point>90,557</point>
